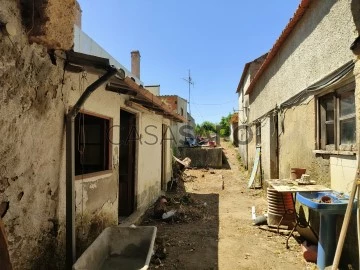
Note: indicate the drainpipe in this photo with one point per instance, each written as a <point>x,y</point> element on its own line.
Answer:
<point>70,164</point>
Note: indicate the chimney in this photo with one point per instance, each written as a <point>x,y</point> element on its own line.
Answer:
<point>135,63</point>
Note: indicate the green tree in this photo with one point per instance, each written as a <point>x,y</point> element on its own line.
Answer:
<point>205,128</point>
<point>225,125</point>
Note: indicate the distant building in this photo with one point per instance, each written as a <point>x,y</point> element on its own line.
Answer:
<point>180,130</point>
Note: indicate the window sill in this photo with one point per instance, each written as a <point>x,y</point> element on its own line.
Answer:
<point>335,152</point>
<point>94,174</point>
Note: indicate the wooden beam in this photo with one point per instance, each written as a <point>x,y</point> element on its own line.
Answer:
<point>137,106</point>
<point>120,89</point>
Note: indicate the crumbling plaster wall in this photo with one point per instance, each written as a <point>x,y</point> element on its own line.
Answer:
<point>50,22</point>
<point>35,95</point>
<point>32,113</point>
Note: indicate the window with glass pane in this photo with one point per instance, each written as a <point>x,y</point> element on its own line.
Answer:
<point>347,118</point>
<point>337,123</point>
<point>258,134</point>
<point>328,105</point>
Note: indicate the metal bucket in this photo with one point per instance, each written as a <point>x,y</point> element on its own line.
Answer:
<point>280,208</point>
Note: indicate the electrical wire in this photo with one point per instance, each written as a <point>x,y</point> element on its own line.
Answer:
<point>312,90</point>
<point>213,104</point>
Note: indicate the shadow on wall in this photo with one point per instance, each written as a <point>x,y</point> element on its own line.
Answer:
<point>225,162</point>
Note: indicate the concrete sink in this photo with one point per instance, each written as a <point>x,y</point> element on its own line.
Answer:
<point>328,204</point>
<point>119,248</point>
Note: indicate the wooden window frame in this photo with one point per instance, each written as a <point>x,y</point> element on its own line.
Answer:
<point>336,95</point>
<point>107,139</point>
<point>258,134</point>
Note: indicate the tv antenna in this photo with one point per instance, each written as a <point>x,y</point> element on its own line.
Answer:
<point>190,82</point>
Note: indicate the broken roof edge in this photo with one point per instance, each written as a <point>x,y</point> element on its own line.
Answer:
<point>279,42</point>
<point>96,64</point>
<point>177,96</point>
<point>154,100</point>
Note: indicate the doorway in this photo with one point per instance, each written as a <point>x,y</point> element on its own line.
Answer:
<point>127,163</point>
<point>163,157</point>
<point>274,147</point>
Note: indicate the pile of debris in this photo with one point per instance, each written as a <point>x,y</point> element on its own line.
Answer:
<point>201,141</point>
<point>179,207</point>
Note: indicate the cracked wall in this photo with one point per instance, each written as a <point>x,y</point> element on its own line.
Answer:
<point>35,94</point>
<point>31,125</point>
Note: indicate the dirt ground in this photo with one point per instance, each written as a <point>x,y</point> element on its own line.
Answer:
<point>213,227</point>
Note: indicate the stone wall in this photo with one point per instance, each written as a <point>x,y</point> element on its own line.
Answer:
<point>50,22</point>
<point>203,157</point>
<point>32,129</point>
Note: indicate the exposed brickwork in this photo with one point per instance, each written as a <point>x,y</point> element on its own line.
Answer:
<point>171,101</point>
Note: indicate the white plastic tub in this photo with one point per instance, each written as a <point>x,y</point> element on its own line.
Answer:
<point>119,248</point>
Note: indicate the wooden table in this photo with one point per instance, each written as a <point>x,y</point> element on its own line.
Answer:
<point>288,185</point>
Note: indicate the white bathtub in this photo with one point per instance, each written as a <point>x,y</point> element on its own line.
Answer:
<point>119,248</point>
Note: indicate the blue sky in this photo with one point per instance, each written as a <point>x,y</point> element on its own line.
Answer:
<point>214,39</point>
